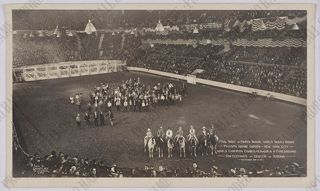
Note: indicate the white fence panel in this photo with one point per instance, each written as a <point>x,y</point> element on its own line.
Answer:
<point>70,69</point>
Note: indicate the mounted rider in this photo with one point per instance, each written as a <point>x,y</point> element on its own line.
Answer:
<point>204,131</point>
<point>212,130</point>
<point>179,133</point>
<point>192,134</point>
<point>160,132</point>
<point>149,133</point>
<point>169,134</point>
<point>146,138</point>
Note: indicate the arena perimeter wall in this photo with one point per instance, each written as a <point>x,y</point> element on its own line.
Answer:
<point>69,69</point>
<point>284,97</point>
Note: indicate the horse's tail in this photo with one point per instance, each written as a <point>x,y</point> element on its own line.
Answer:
<point>216,139</point>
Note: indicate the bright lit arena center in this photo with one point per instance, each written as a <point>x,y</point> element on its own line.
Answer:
<point>159,93</point>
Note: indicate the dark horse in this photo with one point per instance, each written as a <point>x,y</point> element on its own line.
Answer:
<point>203,144</point>
<point>160,145</point>
<point>212,143</point>
<point>192,144</point>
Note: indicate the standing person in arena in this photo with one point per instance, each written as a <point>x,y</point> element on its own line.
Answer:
<point>125,104</point>
<point>109,104</point>
<point>95,116</point>
<point>100,104</point>
<point>139,104</point>
<point>87,118</point>
<point>184,89</point>
<point>110,116</point>
<point>143,105</point>
<point>134,102</point>
<point>101,119</point>
<point>78,120</point>
<point>162,99</point>
<point>78,101</point>
<point>71,100</point>
<point>118,103</point>
<point>89,107</point>
<point>130,103</point>
<point>147,105</point>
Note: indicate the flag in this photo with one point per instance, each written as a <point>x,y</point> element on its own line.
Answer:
<point>90,28</point>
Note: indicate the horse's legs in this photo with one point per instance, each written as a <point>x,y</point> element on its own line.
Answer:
<point>202,150</point>
<point>206,149</point>
<point>184,152</point>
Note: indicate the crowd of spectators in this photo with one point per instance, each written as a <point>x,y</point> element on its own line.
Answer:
<point>277,69</point>
<point>51,49</point>
<point>272,55</point>
<point>273,78</point>
<point>59,164</point>
<point>43,50</point>
<point>280,69</point>
<point>173,64</point>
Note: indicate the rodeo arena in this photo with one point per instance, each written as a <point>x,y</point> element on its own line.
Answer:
<point>126,93</point>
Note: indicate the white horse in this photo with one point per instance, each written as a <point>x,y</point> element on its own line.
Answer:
<point>170,145</point>
<point>151,146</point>
<point>145,140</point>
<point>182,146</point>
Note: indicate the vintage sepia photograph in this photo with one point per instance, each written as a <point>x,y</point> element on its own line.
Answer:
<point>206,93</point>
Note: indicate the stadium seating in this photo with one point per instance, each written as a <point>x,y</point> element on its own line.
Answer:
<point>257,49</point>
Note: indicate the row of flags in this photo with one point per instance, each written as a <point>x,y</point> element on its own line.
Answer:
<point>260,24</point>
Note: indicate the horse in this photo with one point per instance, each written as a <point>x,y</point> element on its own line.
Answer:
<point>182,146</point>
<point>212,142</point>
<point>193,146</point>
<point>160,145</point>
<point>170,145</point>
<point>203,144</point>
<point>145,140</point>
<point>151,146</point>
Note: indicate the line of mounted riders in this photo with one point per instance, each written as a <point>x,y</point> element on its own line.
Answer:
<point>204,144</point>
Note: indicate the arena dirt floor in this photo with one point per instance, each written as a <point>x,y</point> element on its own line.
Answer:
<point>46,121</point>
